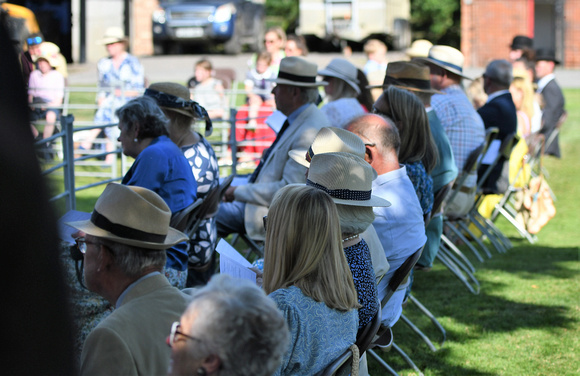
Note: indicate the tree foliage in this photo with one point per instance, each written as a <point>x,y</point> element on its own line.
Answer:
<point>282,13</point>
<point>437,20</point>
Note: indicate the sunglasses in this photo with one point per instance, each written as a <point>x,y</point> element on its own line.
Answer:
<point>171,339</point>
<point>34,40</point>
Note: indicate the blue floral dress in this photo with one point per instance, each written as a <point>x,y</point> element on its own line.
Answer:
<point>204,165</point>
<point>318,334</point>
<point>423,184</point>
<point>361,267</point>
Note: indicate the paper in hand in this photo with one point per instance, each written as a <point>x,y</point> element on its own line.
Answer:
<point>234,264</point>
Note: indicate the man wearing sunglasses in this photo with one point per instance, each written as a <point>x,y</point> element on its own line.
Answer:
<point>124,246</point>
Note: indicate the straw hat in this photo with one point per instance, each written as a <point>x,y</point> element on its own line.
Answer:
<point>177,98</point>
<point>112,35</point>
<point>347,178</point>
<point>50,52</point>
<point>330,140</point>
<point>296,71</point>
<point>343,69</point>
<point>419,48</point>
<point>446,57</point>
<point>408,75</point>
<point>131,215</point>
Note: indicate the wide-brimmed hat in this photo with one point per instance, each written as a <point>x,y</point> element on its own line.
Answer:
<point>330,140</point>
<point>547,54</point>
<point>521,41</point>
<point>113,34</point>
<point>297,71</point>
<point>343,69</point>
<point>419,48</point>
<point>446,57</point>
<point>50,52</point>
<point>131,215</point>
<point>175,97</point>
<point>408,75</point>
<point>346,177</point>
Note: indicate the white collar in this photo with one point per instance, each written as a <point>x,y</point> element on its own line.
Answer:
<point>496,94</point>
<point>542,82</point>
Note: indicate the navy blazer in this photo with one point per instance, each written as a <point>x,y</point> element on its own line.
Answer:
<point>551,113</point>
<point>500,113</point>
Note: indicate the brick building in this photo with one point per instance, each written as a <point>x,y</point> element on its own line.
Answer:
<point>488,26</point>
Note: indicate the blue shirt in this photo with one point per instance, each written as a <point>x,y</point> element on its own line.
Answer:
<point>445,170</point>
<point>162,168</point>
<point>318,334</point>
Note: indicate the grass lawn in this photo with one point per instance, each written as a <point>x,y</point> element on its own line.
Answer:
<point>525,321</point>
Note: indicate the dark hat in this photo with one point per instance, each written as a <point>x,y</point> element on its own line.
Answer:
<point>546,54</point>
<point>521,41</point>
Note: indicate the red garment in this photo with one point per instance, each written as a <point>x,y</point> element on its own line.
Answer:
<point>260,138</point>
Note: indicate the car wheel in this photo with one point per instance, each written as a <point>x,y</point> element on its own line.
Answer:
<point>234,45</point>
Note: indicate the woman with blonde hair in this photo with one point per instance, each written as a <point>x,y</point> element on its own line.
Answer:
<point>522,93</point>
<point>418,151</point>
<point>307,275</point>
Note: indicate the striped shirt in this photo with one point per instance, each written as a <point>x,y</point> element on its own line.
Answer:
<point>462,124</point>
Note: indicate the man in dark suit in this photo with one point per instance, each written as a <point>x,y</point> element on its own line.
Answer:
<point>553,107</point>
<point>498,112</point>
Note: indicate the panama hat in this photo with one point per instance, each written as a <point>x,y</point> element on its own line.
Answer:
<point>296,71</point>
<point>112,35</point>
<point>521,41</point>
<point>346,177</point>
<point>408,75</point>
<point>131,215</point>
<point>344,70</point>
<point>177,98</point>
<point>330,140</point>
<point>446,57</point>
<point>546,54</point>
<point>419,48</point>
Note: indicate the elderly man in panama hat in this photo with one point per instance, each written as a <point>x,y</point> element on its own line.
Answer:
<point>124,246</point>
<point>463,125</point>
<point>414,77</point>
<point>295,93</point>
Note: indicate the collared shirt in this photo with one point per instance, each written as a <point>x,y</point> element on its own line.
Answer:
<point>496,94</point>
<point>130,287</point>
<point>462,124</point>
<point>542,82</point>
<point>297,112</point>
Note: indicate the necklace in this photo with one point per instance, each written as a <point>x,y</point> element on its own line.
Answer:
<point>350,238</point>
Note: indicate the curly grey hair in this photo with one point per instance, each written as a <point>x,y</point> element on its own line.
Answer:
<point>238,323</point>
<point>145,112</point>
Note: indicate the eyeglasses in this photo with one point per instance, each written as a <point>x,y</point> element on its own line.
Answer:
<point>82,244</point>
<point>174,331</point>
<point>265,219</point>
<point>370,144</point>
<point>34,40</point>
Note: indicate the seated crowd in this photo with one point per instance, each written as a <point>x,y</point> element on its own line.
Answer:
<point>341,199</point>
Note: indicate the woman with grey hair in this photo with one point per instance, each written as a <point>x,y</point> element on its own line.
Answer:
<point>159,166</point>
<point>230,328</point>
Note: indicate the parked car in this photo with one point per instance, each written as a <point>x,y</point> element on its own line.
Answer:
<point>233,23</point>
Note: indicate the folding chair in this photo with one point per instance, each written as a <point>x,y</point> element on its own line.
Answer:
<point>384,337</point>
<point>346,364</point>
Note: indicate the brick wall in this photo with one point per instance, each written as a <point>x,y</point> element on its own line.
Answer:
<point>141,33</point>
<point>488,26</point>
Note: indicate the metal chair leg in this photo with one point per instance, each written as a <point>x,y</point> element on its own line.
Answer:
<point>457,252</point>
<point>431,317</point>
<point>407,359</point>
<point>382,362</point>
<point>457,272</point>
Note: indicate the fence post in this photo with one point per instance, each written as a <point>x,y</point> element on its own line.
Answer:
<point>233,142</point>
<point>66,122</point>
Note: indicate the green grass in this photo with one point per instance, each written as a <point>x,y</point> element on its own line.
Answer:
<point>525,321</point>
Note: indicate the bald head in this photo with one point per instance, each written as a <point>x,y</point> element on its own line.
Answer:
<point>382,141</point>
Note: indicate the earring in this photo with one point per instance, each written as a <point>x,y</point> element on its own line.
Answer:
<point>201,371</point>
<point>135,139</point>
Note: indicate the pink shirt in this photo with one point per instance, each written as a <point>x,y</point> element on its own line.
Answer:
<point>49,86</point>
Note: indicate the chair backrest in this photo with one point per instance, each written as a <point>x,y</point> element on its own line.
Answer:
<point>209,206</point>
<point>180,219</point>
<point>400,275</point>
<point>226,75</point>
<point>504,151</point>
<point>342,366</point>
<point>367,333</point>
<point>556,129</point>
<point>470,166</point>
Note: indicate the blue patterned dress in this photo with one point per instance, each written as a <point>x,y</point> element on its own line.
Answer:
<point>204,165</point>
<point>422,183</point>
<point>361,267</point>
<point>318,334</point>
